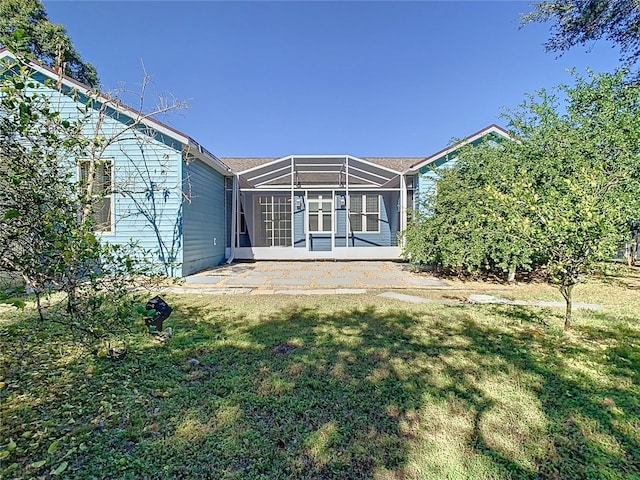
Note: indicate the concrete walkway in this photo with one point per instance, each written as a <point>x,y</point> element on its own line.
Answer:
<point>334,278</point>
<point>312,276</point>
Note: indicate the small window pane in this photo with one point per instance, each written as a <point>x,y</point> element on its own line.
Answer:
<point>313,207</point>
<point>103,176</point>
<point>326,206</point>
<point>355,203</point>
<point>409,181</point>
<point>326,223</point>
<point>101,192</point>
<point>102,214</point>
<point>356,222</point>
<point>372,204</point>
<point>313,222</point>
<point>372,223</point>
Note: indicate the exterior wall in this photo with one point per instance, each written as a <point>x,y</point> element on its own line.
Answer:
<point>319,245</point>
<point>146,169</point>
<point>387,235</point>
<point>338,253</point>
<point>299,237</point>
<point>204,227</point>
<point>340,222</point>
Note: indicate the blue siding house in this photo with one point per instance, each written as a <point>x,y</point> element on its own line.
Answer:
<point>193,211</point>
<point>163,189</point>
<point>333,206</point>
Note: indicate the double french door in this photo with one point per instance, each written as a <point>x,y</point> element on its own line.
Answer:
<point>275,221</point>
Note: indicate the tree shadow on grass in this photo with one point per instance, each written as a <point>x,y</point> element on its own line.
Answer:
<point>427,392</point>
<point>356,393</point>
<point>589,391</point>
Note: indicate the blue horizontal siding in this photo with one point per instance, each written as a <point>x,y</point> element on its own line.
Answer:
<point>299,236</point>
<point>341,227</point>
<point>146,172</point>
<point>382,238</point>
<point>204,219</point>
<point>320,242</point>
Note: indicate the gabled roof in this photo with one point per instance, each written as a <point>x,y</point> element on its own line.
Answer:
<point>312,171</point>
<point>399,164</point>
<point>491,129</point>
<point>193,147</point>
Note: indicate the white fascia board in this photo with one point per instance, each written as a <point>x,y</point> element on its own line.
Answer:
<point>492,129</point>
<point>201,153</point>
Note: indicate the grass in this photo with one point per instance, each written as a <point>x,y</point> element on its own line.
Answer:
<point>333,387</point>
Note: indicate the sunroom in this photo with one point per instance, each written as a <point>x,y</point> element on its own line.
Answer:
<point>320,207</point>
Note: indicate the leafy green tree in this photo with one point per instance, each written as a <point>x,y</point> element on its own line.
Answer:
<point>48,43</point>
<point>564,190</point>
<point>463,229</point>
<point>579,22</point>
<point>42,234</point>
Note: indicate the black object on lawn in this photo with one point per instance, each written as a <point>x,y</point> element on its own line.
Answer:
<point>163,310</point>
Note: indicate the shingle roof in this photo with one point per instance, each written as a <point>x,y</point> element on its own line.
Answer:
<point>399,164</point>
<point>242,164</point>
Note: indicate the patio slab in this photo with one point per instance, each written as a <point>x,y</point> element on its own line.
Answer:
<point>205,291</point>
<point>204,279</point>
<point>325,275</point>
<point>426,282</point>
<point>336,282</point>
<point>490,299</point>
<point>293,282</point>
<point>247,281</point>
<point>382,282</point>
<point>323,291</point>
<point>404,298</point>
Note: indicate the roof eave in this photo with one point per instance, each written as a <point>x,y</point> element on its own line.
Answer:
<point>194,147</point>
<point>493,128</point>
<point>207,157</point>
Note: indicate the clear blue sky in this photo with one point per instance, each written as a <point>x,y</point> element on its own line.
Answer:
<point>359,78</point>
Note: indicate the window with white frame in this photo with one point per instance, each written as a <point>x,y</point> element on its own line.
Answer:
<point>320,213</point>
<point>101,192</point>
<point>364,213</point>
<point>274,217</point>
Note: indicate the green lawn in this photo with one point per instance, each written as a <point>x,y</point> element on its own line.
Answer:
<point>333,387</point>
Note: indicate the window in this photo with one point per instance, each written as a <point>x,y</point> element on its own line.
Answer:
<point>364,213</point>
<point>101,195</point>
<point>320,213</point>
<point>274,217</point>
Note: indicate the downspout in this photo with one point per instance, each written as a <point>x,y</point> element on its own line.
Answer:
<point>234,218</point>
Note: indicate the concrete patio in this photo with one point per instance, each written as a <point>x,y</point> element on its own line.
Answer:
<point>336,278</point>
<point>296,276</point>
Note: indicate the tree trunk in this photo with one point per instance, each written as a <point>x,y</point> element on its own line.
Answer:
<point>566,293</point>
<point>511,275</point>
<point>631,252</point>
